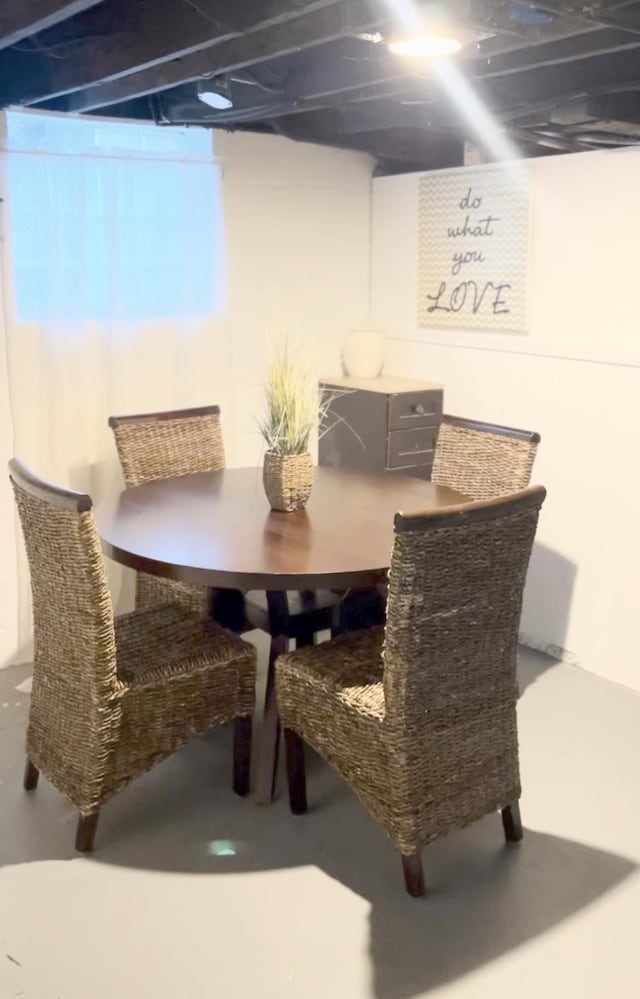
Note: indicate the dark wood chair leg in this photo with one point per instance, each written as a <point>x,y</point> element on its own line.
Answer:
<point>512,823</point>
<point>31,774</point>
<point>86,832</point>
<point>242,756</point>
<point>296,775</point>
<point>413,876</point>
<point>270,734</point>
<point>306,638</point>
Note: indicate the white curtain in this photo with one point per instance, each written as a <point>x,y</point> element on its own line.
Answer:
<point>113,285</point>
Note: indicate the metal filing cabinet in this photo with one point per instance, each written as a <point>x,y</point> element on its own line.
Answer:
<point>396,421</point>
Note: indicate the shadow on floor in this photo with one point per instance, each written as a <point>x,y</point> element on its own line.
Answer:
<point>548,598</point>
<point>485,898</point>
<point>532,665</point>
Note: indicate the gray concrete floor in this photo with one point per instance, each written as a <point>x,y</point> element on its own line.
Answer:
<point>193,892</point>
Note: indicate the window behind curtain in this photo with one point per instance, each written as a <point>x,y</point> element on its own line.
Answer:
<point>110,220</point>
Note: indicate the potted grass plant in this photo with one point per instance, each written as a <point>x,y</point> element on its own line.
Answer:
<point>287,423</point>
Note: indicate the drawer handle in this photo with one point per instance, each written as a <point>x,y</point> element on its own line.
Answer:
<point>419,409</point>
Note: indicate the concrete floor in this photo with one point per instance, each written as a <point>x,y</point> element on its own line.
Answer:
<point>193,892</point>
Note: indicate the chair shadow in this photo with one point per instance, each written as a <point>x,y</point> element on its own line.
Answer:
<point>532,665</point>
<point>485,901</point>
<point>548,598</point>
<point>485,898</point>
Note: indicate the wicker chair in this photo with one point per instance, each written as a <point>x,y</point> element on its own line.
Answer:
<point>111,698</point>
<point>483,460</point>
<point>480,460</point>
<point>160,446</point>
<point>420,717</point>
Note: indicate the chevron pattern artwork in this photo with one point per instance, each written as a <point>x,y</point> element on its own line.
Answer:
<point>473,249</point>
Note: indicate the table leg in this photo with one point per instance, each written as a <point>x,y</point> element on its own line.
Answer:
<point>270,737</point>
<point>270,733</point>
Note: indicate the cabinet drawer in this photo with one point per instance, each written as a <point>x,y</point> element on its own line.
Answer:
<point>411,447</point>
<point>415,409</point>
<point>413,471</point>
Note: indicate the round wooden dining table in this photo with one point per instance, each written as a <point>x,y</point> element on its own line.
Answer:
<point>216,529</point>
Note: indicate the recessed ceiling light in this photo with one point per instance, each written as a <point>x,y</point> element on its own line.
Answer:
<point>424,46</point>
<point>218,101</point>
<point>215,93</point>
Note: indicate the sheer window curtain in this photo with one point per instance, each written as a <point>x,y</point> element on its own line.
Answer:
<point>113,284</point>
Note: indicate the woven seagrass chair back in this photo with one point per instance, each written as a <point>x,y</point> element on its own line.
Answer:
<point>163,445</point>
<point>483,460</point>
<point>74,640</point>
<point>454,601</point>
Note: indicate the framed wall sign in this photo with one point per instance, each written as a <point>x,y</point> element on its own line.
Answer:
<point>473,249</point>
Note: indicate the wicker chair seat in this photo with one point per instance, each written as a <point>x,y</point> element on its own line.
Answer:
<point>347,670</point>
<point>183,678</point>
<point>173,682</point>
<point>332,695</point>
<point>165,644</point>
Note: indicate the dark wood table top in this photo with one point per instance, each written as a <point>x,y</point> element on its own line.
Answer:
<point>217,529</point>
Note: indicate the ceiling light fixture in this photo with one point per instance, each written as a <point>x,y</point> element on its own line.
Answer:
<point>424,46</point>
<point>216,94</point>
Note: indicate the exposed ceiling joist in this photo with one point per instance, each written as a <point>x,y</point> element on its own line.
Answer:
<point>555,141</point>
<point>364,85</point>
<point>584,46</point>
<point>587,46</point>
<point>317,87</point>
<point>556,29</point>
<point>146,34</point>
<point>21,18</point>
<point>374,65</point>
<point>312,29</point>
<point>303,32</point>
<point>607,15</point>
<point>628,89</point>
<point>619,70</point>
<point>341,74</point>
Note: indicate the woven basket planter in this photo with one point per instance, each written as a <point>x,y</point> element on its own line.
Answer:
<point>287,480</point>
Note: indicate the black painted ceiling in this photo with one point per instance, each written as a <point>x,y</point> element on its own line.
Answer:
<point>553,75</point>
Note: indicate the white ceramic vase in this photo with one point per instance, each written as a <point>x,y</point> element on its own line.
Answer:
<point>363,353</point>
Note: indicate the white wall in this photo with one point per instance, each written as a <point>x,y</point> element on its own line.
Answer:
<point>297,220</point>
<point>574,377</point>
<point>295,244</point>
